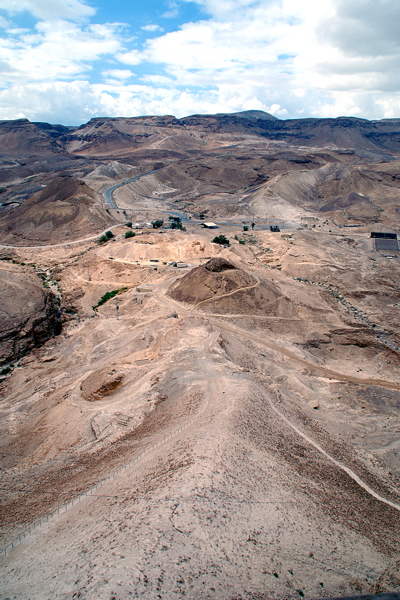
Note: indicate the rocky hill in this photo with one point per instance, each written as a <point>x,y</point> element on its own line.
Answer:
<point>29,313</point>
<point>21,137</point>
<point>64,209</point>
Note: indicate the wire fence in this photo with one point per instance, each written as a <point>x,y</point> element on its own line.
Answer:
<point>91,491</point>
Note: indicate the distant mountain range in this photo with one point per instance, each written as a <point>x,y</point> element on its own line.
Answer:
<point>106,135</point>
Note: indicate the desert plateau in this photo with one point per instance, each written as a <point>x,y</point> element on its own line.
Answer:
<point>199,360</point>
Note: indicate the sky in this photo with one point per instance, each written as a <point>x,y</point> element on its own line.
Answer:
<point>67,61</point>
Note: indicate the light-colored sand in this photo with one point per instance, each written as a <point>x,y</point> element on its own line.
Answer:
<point>236,440</point>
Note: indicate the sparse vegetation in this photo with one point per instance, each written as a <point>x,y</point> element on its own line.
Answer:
<point>221,239</point>
<point>108,235</point>
<point>108,295</point>
<point>175,222</point>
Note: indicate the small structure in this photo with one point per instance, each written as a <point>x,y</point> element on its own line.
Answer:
<point>144,287</point>
<point>385,241</point>
<point>386,245</point>
<point>275,228</point>
<point>383,235</point>
<point>181,265</point>
<point>210,225</point>
<point>287,236</point>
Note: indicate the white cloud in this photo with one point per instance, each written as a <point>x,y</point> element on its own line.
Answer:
<point>222,9</point>
<point>270,51</point>
<point>151,28</point>
<point>212,46</point>
<point>121,74</point>
<point>4,23</point>
<point>68,103</point>
<point>56,50</point>
<point>172,11</point>
<point>49,9</point>
<point>134,57</point>
<point>364,27</point>
<point>288,57</point>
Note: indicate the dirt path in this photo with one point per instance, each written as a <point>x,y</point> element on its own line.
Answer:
<point>324,371</point>
<point>64,244</point>
<point>161,292</point>
<point>341,466</point>
<point>321,370</point>
<point>161,141</point>
<point>245,287</point>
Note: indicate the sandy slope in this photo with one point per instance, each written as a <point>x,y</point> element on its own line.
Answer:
<point>237,429</point>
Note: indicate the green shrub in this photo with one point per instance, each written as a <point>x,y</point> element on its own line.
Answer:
<point>108,295</point>
<point>245,227</point>
<point>105,237</point>
<point>176,225</point>
<point>129,234</point>
<point>175,222</point>
<point>221,239</point>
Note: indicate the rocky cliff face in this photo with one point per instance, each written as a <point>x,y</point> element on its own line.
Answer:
<point>104,136</point>
<point>29,312</point>
<point>23,137</point>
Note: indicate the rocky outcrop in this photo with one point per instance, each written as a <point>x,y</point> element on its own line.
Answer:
<point>23,137</point>
<point>100,384</point>
<point>29,313</point>
<point>217,277</point>
<point>221,287</point>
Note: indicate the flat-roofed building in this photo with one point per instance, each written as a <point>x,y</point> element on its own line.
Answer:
<point>210,225</point>
<point>383,235</point>
<point>390,245</point>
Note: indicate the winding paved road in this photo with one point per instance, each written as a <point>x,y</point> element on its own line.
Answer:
<point>108,193</point>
